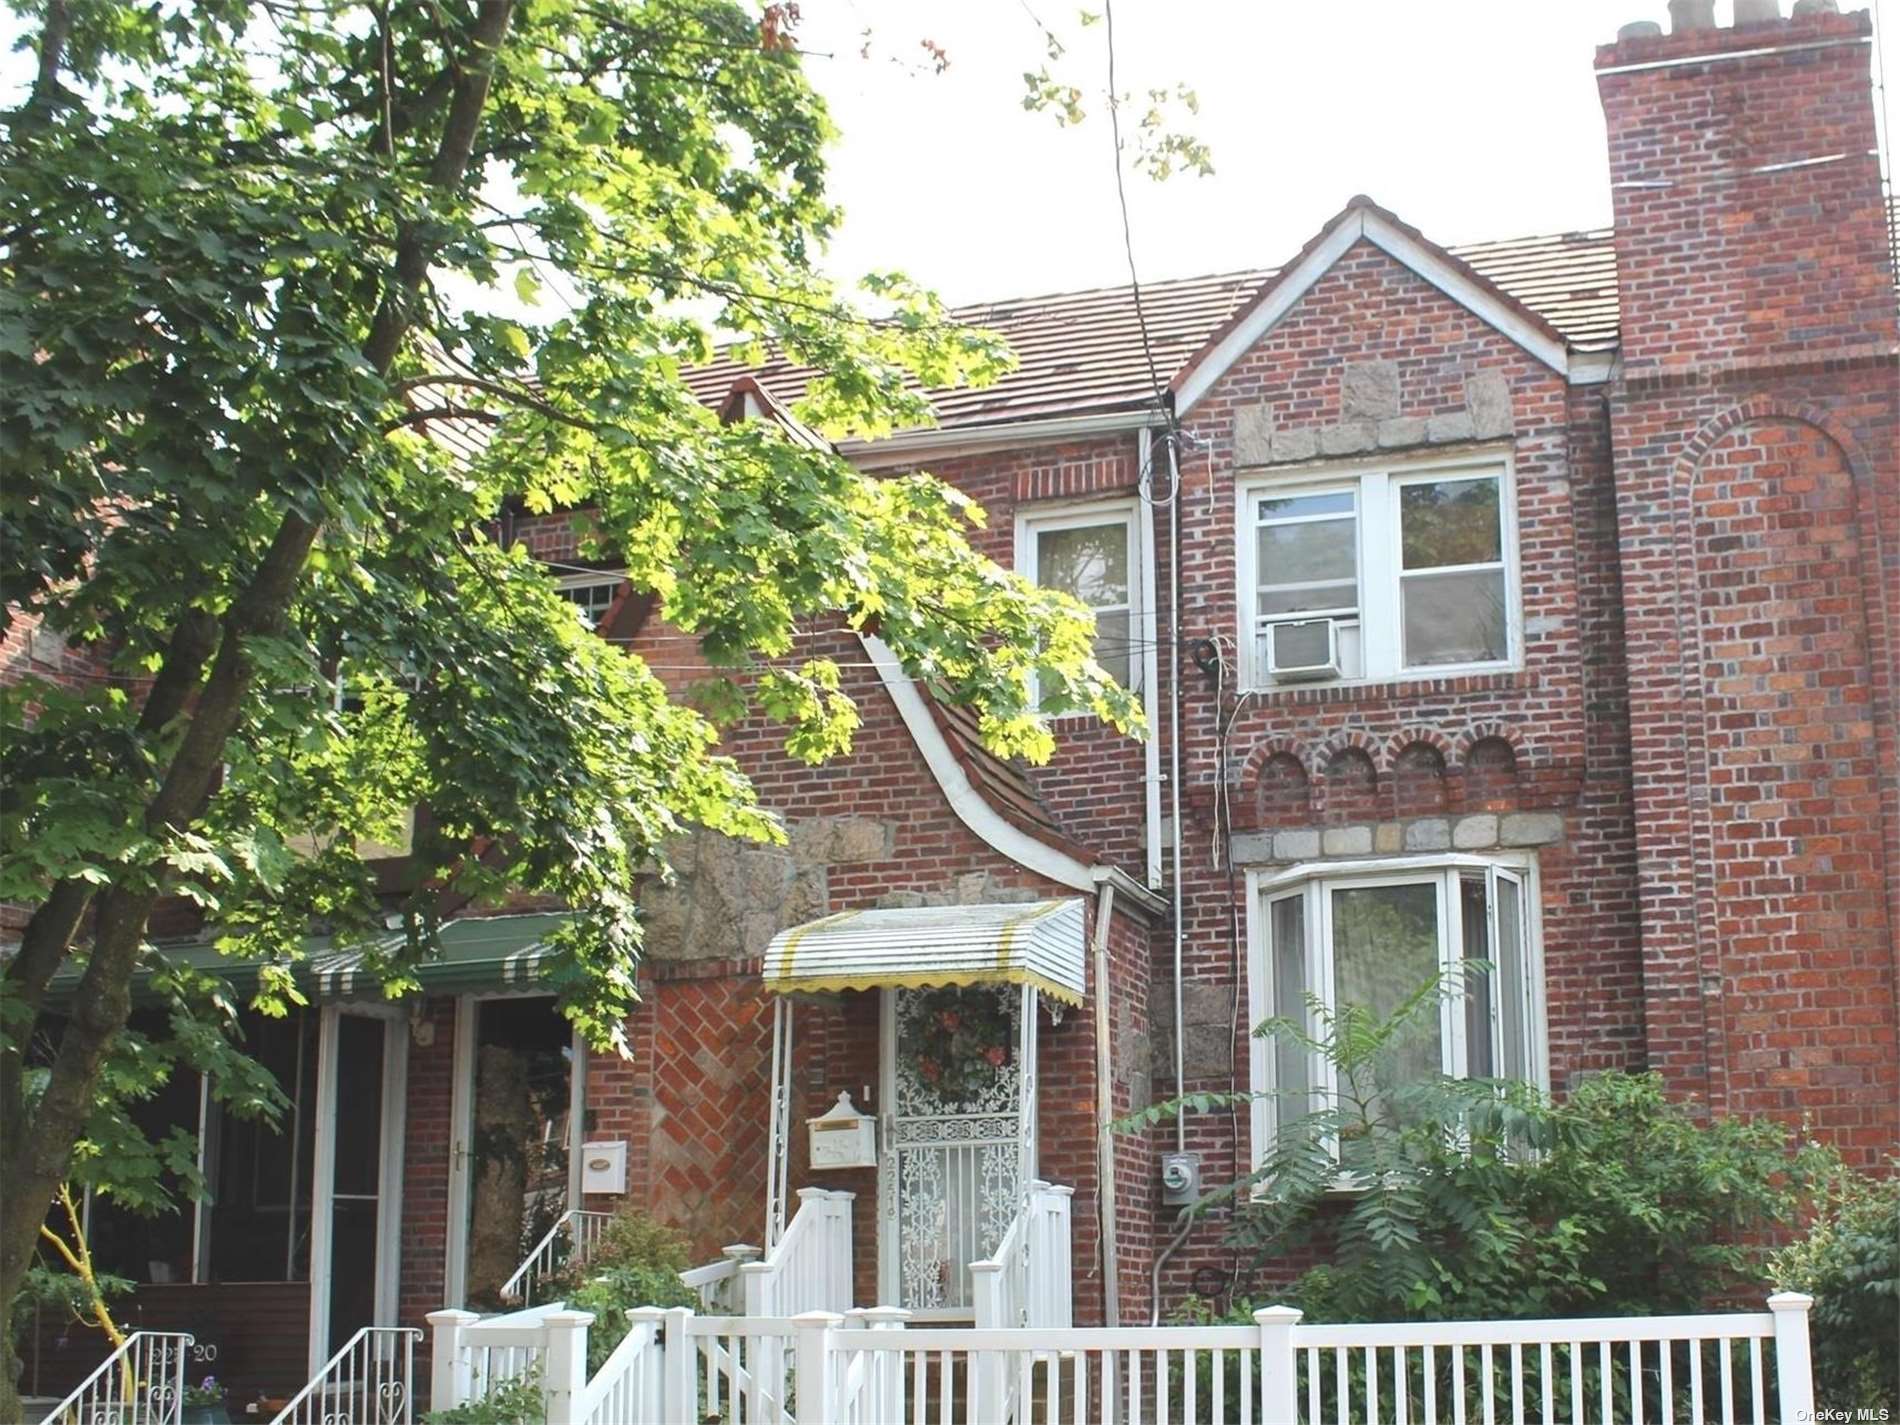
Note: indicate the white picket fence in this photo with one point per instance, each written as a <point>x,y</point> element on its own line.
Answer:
<point>871,1368</point>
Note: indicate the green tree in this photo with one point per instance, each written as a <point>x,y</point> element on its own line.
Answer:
<point>245,251</point>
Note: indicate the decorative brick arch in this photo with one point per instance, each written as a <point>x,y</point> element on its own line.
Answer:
<point>1396,745</point>
<point>1504,732</point>
<point>1350,740</point>
<point>1421,772</point>
<point>1710,614</point>
<point>1269,748</point>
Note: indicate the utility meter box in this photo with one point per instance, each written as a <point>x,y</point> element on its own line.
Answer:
<point>843,1137</point>
<point>604,1167</point>
<point>1180,1179</point>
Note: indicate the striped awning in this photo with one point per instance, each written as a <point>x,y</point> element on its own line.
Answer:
<point>1039,944</point>
<point>475,954</point>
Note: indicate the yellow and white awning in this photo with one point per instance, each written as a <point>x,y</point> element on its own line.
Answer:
<point>1040,944</point>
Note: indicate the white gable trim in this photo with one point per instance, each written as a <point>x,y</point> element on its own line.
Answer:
<point>969,804</point>
<point>1402,247</point>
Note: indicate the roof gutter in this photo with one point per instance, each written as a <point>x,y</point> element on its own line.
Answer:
<point>904,446</point>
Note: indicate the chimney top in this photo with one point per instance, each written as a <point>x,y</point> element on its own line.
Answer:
<point>1686,15</point>
<point>1638,30</point>
<point>1804,8</point>
<point>1757,12</point>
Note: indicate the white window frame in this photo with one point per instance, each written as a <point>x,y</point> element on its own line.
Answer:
<point>1035,521</point>
<point>1315,881</point>
<point>1381,614</point>
<point>594,579</point>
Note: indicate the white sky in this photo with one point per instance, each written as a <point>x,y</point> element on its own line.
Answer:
<point>1470,119</point>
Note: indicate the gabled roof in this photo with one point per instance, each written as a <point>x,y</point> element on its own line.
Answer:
<point>1363,220</point>
<point>1079,353</point>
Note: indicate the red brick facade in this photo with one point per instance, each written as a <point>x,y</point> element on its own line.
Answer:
<point>1695,746</point>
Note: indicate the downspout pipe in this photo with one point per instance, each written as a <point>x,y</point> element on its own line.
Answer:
<point>1174,797</point>
<point>1105,1115</point>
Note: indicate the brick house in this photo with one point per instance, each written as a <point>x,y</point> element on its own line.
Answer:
<point>1533,600</point>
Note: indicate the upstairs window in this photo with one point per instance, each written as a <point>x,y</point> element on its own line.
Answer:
<point>592,594</point>
<point>1380,574</point>
<point>1371,935</point>
<point>1091,554</point>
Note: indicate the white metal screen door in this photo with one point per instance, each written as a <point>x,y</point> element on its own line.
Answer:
<point>956,1153</point>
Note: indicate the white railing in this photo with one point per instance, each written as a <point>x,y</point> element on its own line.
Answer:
<point>141,1383</point>
<point>872,1368</point>
<point>572,1238</point>
<point>371,1381</point>
<point>809,1268</point>
<point>1027,1281</point>
<point>717,1283</point>
<point>471,1355</point>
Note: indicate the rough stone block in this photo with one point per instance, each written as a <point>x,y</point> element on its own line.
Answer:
<point>1488,399</point>
<point>1347,438</point>
<point>1253,435</point>
<point>1531,828</point>
<point>1454,426</point>
<point>1369,390</point>
<point>1295,845</point>
<point>1202,1003</point>
<point>1208,1050</point>
<point>1347,840</point>
<point>1431,834</point>
<point>1289,445</point>
<point>1253,846</point>
<point>1401,431</point>
<point>1469,833</point>
<point>1388,836</point>
<point>835,840</point>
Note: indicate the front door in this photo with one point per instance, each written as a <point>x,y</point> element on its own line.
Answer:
<point>362,1070</point>
<point>959,1077</point>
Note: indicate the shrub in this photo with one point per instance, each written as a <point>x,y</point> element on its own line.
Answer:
<point>1431,1198</point>
<point>1849,1262</point>
<point>636,1262</point>
<point>520,1401</point>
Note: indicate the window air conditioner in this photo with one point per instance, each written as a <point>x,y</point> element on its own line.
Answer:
<point>1302,651</point>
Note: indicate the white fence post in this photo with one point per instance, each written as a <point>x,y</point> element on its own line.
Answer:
<point>564,1363</point>
<point>838,1259</point>
<point>1794,1361</point>
<point>753,1277</point>
<point>1279,1388</point>
<point>886,1377</point>
<point>448,1369</point>
<point>679,1379</point>
<point>811,1367</point>
<point>1061,1275</point>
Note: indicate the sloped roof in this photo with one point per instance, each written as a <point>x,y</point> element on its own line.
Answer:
<point>1080,352</point>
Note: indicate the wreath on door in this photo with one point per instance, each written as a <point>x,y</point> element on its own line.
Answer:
<point>963,1041</point>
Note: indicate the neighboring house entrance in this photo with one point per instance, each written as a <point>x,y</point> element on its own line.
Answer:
<point>514,1158</point>
<point>959,1138</point>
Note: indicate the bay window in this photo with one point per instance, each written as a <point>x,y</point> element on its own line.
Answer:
<point>1379,573</point>
<point>1369,934</point>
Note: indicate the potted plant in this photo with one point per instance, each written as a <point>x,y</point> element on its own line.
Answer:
<point>204,1404</point>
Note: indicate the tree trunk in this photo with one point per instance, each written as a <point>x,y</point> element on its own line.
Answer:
<point>37,1146</point>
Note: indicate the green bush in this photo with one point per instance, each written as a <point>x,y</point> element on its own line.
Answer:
<point>520,1401</point>
<point>1849,1262</point>
<point>636,1262</point>
<point>1440,1199</point>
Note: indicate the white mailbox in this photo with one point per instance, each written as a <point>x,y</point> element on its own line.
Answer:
<point>604,1167</point>
<point>843,1138</point>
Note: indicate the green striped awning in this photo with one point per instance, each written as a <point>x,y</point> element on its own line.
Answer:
<point>477,953</point>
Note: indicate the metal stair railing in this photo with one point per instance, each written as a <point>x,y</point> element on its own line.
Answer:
<point>141,1383</point>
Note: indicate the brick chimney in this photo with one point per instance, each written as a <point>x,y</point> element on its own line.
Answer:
<point>1747,195</point>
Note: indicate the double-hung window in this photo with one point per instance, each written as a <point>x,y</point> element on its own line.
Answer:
<point>1371,935</point>
<point>1092,555</point>
<point>592,594</point>
<point>1379,574</point>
